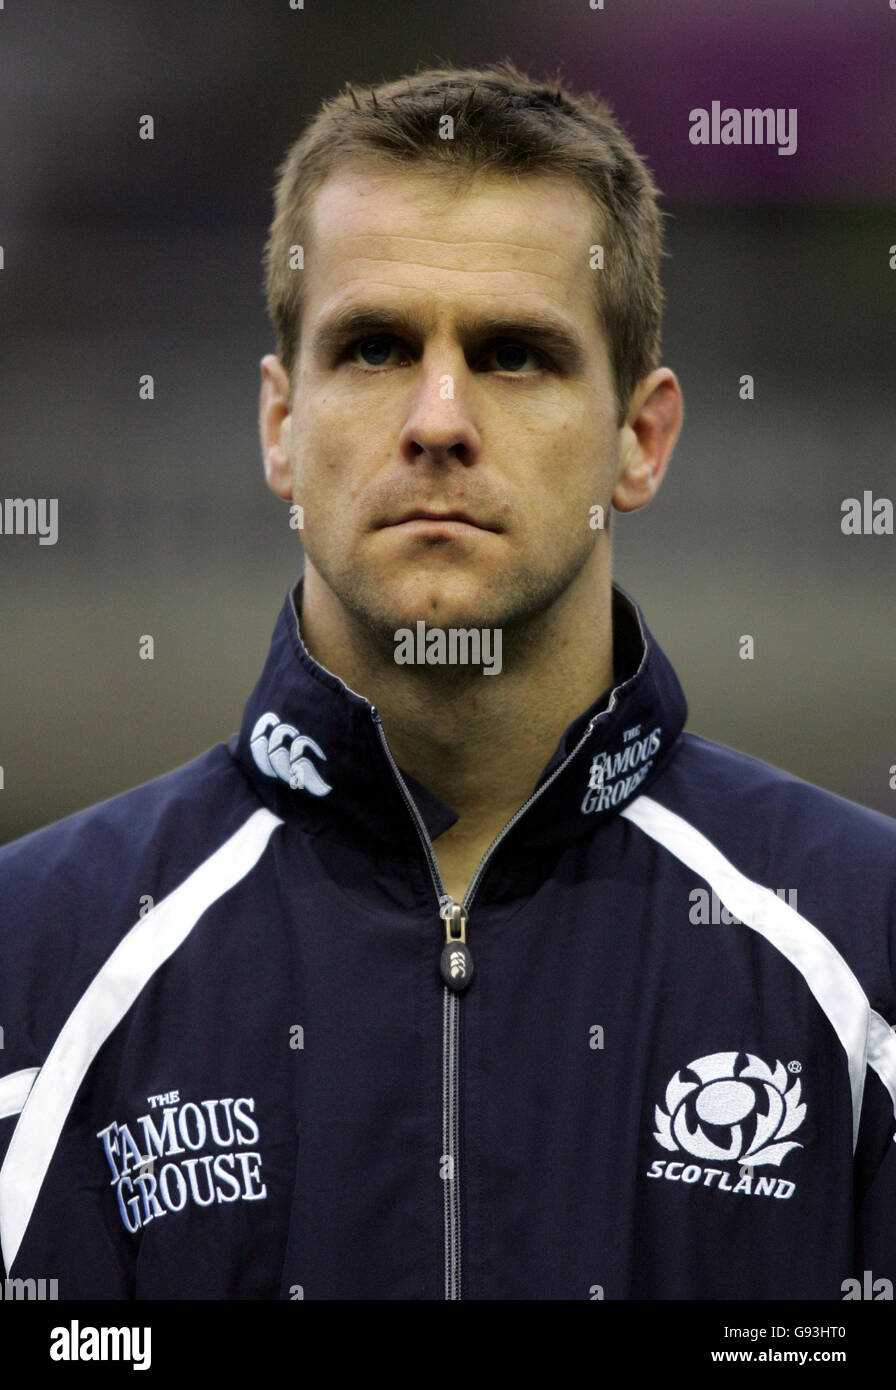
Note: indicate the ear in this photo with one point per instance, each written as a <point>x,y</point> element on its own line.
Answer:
<point>647,438</point>
<point>274,423</point>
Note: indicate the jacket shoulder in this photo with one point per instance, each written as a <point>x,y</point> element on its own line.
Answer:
<point>175,813</point>
<point>724,786</point>
<point>70,891</point>
<point>830,859</point>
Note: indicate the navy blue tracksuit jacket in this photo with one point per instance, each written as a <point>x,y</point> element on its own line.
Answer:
<point>231,1068</point>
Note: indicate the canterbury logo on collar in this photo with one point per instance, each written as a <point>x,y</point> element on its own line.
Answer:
<point>279,751</point>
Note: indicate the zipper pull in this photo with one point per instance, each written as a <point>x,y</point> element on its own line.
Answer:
<point>456,964</point>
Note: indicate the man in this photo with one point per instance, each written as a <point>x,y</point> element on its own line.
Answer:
<point>462,971</point>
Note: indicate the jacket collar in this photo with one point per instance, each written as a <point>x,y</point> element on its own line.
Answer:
<point>312,749</point>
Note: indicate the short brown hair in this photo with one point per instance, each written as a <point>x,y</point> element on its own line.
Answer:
<point>505,122</point>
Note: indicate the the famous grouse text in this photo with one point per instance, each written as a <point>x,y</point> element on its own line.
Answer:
<point>158,1166</point>
<point>607,786</point>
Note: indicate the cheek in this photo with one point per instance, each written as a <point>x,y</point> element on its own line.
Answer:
<point>322,443</point>
<point>571,459</point>
<point>574,472</point>
<point>592,454</point>
<point>334,455</point>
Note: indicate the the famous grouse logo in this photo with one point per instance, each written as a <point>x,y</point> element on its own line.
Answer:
<point>615,774</point>
<point>729,1107</point>
<point>183,1154</point>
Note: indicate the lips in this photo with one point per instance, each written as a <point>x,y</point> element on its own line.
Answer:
<point>421,515</point>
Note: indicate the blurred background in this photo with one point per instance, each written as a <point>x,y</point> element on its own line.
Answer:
<point>122,257</point>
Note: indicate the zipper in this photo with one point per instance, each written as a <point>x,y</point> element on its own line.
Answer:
<point>456,968</point>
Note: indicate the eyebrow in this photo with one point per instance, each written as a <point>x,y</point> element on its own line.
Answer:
<point>558,338</point>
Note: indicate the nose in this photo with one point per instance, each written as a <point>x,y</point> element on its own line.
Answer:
<point>440,423</point>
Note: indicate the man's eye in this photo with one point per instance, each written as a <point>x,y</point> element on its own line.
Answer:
<point>373,350</point>
<point>511,356</point>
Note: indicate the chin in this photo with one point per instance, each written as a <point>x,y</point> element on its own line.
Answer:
<point>443,599</point>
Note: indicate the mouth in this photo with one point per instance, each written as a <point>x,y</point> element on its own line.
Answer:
<point>430,518</point>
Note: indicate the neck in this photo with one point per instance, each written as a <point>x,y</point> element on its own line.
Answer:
<point>478,742</point>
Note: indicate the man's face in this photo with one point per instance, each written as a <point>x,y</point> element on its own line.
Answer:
<point>451,359</point>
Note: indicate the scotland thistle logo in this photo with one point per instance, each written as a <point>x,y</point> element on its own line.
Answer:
<point>732,1107</point>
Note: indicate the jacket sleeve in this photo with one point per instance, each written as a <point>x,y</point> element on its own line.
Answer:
<point>7,1125</point>
<point>876,1230</point>
<point>58,924</point>
<point>875,1185</point>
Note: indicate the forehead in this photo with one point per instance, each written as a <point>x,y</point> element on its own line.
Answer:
<point>419,230</point>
